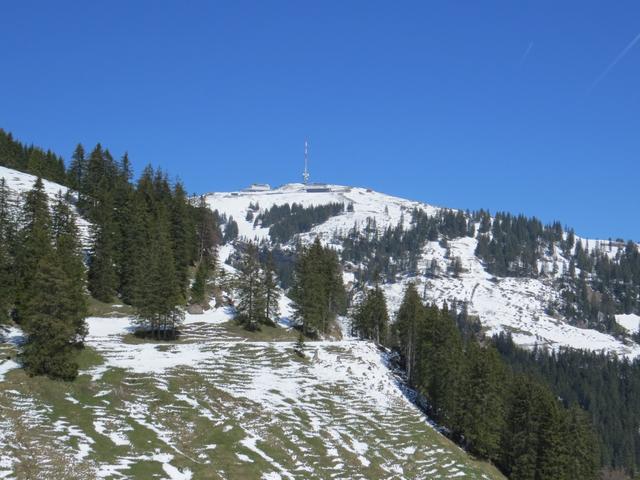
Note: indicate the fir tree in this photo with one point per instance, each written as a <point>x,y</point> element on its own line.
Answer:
<point>482,410</point>
<point>34,242</point>
<point>409,323</point>
<point>78,169</point>
<point>7,251</point>
<point>250,307</point>
<point>103,280</point>
<point>271,292</point>
<point>198,288</point>
<point>371,317</point>
<point>318,290</point>
<point>69,257</point>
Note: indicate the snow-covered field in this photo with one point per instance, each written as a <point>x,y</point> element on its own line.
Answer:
<point>220,404</point>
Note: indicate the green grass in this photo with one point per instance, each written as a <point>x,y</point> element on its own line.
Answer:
<point>101,309</point>
<point>136,404</point>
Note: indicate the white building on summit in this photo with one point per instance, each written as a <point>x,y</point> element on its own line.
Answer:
<point>258,187</point>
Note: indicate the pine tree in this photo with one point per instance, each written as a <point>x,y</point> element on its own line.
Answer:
<point>318,289</point>
<point>198,288</point>
<point>250,307</point>
<point>520,440</point>
<point>482,410</point>
<point>7,251</point>
<point>271,293</point>
<point>158,303</point>
<point>34,242</point>
<point>78,169</point>
<point>371,316</point>
<point>409,323</point>
<point>103,280</point>
<point>135,238</point>
<point>48,322</point>
<point>582,446</point>
<point>69,257</point>
<point>51,305</point>
<point>182,237</point>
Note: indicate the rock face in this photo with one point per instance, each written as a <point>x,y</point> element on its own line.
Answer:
<point>195,309</point>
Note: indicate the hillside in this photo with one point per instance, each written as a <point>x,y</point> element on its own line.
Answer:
<point>519,305</point>
<point>221,404</point>
<point>217,403</point>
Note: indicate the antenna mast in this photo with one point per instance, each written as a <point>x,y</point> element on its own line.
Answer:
<point>305,174</point>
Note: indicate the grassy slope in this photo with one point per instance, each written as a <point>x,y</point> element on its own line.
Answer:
<point>218,420</point>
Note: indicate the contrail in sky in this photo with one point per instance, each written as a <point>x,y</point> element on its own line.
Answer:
<point>526,53</point>
<point>620,56</point>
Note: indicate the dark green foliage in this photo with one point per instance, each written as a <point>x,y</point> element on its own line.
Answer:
<point>271,292</point>
<point>103,279</point>
<point>34,243</point>
<point>481,414</point>
<point>439,365</point>
<point>198,288</point>
<point>371,317</point>
<point>51,305</point>
<point>251,304</point>
<point>30,159</point>
<point>230,231</point>
<point>516,243</point>
<point>608,389</point>
<point>285,221</point>
<point>409,327</point>
<point>70,259</point>
<point>512,420</point>
<point>7,253</point>
<point>397,249</point>
<point>318,290</point>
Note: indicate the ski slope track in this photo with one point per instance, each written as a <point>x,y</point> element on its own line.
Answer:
<point>517,305</point>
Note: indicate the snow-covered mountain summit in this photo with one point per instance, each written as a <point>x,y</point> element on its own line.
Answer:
<point>519,305</point>
<point>386,209</point>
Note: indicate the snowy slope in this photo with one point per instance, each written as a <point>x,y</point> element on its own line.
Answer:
<point>19,183</point>
<point>366,204</point>
<point>518,305</point>
<point>216,404</point>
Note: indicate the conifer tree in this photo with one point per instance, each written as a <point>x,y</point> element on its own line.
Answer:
<point>409,323</point>
<point>51,304</point>
<point>250,308</point>
<point>135,239</point>
<point>371,317</point>
<point>48,320</point>
<point>271,292</point>
<point>78,169</point>
<point>198,288</point>
<point>318,289</point>
<point>69,257</point>
<point>182,237</point>
<point>482,410</point>
<point>7,251</point>
<point>34,242</point>
<point>103,280</point>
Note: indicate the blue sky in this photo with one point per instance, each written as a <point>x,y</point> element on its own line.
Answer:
<point>528,107</point>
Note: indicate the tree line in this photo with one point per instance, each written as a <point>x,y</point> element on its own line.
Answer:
<point>512,419</point>
<point>285,221</point>
<point>606,386</point>
<point>146,238</point>
<point>42,280</point>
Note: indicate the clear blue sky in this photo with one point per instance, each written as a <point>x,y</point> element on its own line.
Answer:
<point>504,105</point>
